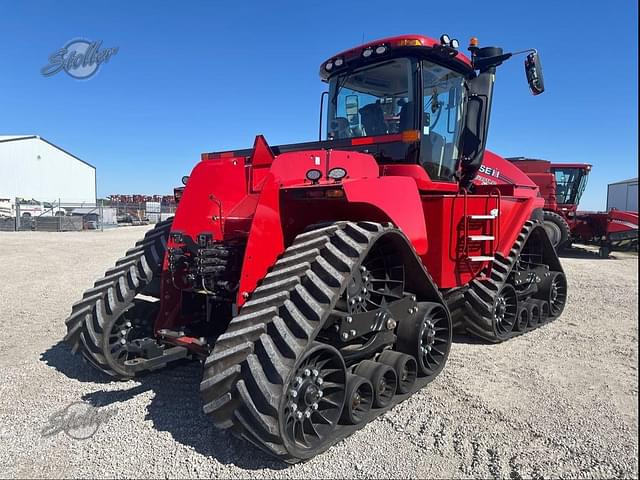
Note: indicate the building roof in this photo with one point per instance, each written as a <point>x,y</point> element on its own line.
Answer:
<point>13,138</point>
<point>630,180</point>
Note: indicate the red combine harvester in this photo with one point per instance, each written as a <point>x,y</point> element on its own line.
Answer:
<point>561,185</point>
<point>319,283</point>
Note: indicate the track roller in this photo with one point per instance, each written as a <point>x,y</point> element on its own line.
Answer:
<point>383,378</point>
<point>405,366</point>
<point>534,314</point>
<point>426,336</point>
<point>359,399</point>
<point>544,310</point>
<point>523,319</point>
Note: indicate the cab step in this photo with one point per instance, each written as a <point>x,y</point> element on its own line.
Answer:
<point>481,238</point>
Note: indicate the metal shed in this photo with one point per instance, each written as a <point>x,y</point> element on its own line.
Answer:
<point>34,168</point>
<point>623,195</point>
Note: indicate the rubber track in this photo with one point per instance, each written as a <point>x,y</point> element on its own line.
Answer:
<point>113,294</point>
<point>245,374</point>
<point>477,313</point>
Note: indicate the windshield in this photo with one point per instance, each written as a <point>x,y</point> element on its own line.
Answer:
<point>570,183</point>
<point>375,100</point>
<point>443,102</point>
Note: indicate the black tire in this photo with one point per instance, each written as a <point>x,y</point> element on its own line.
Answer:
<point>557,229</point>
<point>383,378</point>
<point>93,318</point>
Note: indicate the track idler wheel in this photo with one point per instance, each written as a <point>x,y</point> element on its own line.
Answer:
<point>505,311</point>
<point>359,399</point>
<point>313,401</point>
<point>405,366</point>
<point>426,336</point>
<point>383,378</point>
<point>554,290</point>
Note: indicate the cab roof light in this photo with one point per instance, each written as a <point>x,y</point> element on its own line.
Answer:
<point>409,42</point>
<point>380,49</point>
<point>473,42</point>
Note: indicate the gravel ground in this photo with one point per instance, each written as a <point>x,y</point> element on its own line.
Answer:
<point>561,401</point>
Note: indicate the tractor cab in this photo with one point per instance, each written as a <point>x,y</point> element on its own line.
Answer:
<point>407,100</point>
<point>571,180</point>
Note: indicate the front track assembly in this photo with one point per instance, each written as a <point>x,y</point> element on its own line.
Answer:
<point>522,291</point>
<point>330,340</point>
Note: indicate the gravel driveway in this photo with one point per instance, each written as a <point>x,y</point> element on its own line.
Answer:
<point>560,401</point>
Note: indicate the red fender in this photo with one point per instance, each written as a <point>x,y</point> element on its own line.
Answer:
<point>265,241</point>
<point>399,199</point>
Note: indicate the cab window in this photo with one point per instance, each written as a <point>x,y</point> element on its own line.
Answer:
<point>442,118</point>
<point>374,100</point>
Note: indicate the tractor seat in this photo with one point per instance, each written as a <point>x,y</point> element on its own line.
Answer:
<point>339,128</point>
<point>372,118</point>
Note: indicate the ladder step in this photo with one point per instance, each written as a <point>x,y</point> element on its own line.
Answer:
<point>482,217</point>
<point>479,238</point>
<point>482,258</point>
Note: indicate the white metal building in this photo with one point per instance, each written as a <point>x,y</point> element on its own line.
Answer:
<point>623,195</point>
<point>34,168</point>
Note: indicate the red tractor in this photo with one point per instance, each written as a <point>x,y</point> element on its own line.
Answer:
<point>561,185</point>
<point>319,283</point>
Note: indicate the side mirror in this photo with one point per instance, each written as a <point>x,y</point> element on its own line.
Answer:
<point>351,107</point>
<point>533,69</point>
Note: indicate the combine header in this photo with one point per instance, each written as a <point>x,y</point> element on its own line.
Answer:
<point>320,283</point>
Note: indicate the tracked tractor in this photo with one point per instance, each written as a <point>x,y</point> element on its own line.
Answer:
<point>319,284</point>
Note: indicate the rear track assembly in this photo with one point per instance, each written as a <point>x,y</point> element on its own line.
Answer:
<point>272,381</point>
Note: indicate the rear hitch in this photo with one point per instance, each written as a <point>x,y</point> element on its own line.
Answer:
<point>160,360</point>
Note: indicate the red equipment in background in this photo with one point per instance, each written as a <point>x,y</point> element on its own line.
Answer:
<point>562,185</point>
<point>320,283</point>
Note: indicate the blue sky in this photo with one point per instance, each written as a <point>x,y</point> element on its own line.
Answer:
<point>202,76</point>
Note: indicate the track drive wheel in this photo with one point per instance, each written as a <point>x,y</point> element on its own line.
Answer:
<point>427,337</point>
